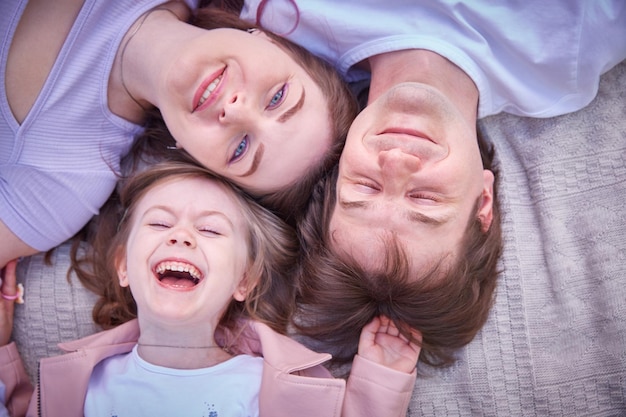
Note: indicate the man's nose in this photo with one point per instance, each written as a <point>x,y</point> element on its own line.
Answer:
<point>398,165</point>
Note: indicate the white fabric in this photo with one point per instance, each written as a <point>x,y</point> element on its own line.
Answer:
<point>3,410</point>
<point>529,57</point>
<point>127,385</point>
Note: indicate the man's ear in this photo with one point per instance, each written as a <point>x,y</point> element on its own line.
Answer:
<point>485,211</point>
<point>121,267</point>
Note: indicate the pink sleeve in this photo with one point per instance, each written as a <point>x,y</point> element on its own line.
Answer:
<point>375,390</point>
<point>18,388</point>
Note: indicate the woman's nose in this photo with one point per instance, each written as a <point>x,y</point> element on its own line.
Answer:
<point>234,108</point>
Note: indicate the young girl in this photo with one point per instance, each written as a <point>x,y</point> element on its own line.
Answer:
<point>80,76</point>
<point>203,265</point>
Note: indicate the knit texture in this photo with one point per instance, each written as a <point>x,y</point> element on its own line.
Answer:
<point>555,342</point>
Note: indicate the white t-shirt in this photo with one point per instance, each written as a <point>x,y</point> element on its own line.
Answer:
<point>3,410</point>
<point>533,58</point>
<point>128,386</point>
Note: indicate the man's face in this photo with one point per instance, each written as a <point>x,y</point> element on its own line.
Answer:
<point>411,168</point>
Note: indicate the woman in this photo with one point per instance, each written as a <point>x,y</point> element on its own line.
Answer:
<point>79,79</point>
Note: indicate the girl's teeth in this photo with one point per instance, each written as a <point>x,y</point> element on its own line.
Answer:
<point>178,267</point>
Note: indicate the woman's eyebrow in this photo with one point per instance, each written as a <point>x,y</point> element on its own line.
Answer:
<point>255,161</point>
<point>289,113</point>
<point>282,119</point>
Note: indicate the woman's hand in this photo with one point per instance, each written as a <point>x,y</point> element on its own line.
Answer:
<point>381,342</point>
<point>12,247</point>
<point>8,290</point>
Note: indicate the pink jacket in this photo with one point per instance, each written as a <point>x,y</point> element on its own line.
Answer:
<point>294,382</point>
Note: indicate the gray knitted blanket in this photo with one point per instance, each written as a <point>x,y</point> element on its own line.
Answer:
<point>555,343</point>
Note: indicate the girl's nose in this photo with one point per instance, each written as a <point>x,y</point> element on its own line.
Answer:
<point>182,237</point>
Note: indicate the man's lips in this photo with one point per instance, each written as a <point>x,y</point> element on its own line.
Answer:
<point>208,91</point>
<point>409,141</point>
<point>406,132</point>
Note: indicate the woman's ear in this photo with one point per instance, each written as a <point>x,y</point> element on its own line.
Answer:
<point>485,211</point>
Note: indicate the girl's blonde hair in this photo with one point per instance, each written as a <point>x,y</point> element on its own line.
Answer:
<point>272,252</point>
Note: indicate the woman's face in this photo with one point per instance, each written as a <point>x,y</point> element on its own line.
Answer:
<point>242,107</point>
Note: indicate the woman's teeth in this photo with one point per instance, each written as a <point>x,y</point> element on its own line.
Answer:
<point>209,90</point>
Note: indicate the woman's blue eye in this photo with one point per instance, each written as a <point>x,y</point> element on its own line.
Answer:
<point>241,149</point>
<point>278,97</point>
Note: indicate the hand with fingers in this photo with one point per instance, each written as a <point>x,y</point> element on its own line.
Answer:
<point>382,342</point>
<point>9,293</point>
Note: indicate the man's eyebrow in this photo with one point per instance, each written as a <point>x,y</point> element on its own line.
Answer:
<point>411,215</point>
<point>289,113</point>
<point>255,161</point>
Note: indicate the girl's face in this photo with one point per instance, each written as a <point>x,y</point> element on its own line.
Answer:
<point>242,107</point>
<point>186,254</point>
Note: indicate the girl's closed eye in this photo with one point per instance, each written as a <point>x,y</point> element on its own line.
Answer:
<point>159,225</point>
<point>210,231</point>
<point>278,98</point>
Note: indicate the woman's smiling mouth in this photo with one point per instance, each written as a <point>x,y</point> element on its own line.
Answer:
<point>206,90</point>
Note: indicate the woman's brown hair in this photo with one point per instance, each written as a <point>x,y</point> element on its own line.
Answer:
<point>291,201</point>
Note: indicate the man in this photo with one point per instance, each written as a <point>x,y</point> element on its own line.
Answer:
<point>412,208</point>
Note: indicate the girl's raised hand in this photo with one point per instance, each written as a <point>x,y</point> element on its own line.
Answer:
<point>381,342</point>
<point>8,295</point>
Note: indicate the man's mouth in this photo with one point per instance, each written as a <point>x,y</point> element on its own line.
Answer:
<point>178,274</point>
<point>405,132</point>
